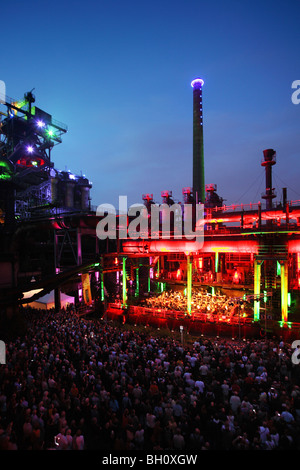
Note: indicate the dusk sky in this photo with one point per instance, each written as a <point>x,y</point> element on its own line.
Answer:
<point>118,74</point>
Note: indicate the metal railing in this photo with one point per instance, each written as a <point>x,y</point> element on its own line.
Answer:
<point>251,206</point>
<point>181,315</point>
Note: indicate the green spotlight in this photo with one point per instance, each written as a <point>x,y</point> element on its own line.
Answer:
<point>50,132</point>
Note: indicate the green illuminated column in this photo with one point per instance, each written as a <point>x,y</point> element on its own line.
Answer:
<point>278,268</point>
<point>137,283</point>
<point>284,291</point>
<point>189,264</point>
<point>149,270</point>
<point>217,262</point>
<point>101,278</point>
<point>124,283</point>
<point>257,273</point>
<point>102,285</point>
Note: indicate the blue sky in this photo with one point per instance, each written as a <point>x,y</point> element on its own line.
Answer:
<point>118,74</point>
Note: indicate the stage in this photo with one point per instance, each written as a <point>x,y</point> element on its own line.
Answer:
<point>203,324</point>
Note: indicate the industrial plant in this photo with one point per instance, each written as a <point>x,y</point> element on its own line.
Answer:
<point>249,261</point>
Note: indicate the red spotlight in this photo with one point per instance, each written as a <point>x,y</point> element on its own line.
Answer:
<point>31,162</point>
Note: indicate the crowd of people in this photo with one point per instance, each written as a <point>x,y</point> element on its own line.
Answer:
<point>73,383</point>
<point>201,302</point>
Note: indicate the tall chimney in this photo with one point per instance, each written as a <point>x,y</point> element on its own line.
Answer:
<point>268,161</point>
<point>198,153</point>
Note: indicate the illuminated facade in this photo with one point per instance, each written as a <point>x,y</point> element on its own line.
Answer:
<point>28,135</point>
<point>246,249</point>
